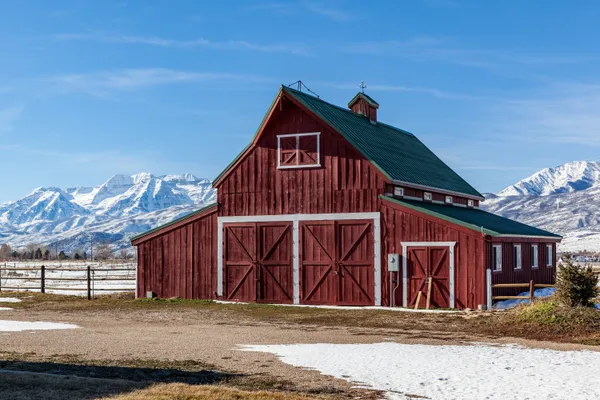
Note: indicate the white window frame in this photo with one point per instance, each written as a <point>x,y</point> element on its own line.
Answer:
<point>470,203</point>
<point>298,136</point>
<point>497,258</point>
<point>427,196</point>
<point>518,260</point>
<point>449,199</point>
<point>549,255</point>
<point>399,191</point>
<point>535,256</point>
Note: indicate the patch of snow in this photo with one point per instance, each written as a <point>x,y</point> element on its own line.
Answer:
<point>9,300</point>
<point>541,293</point>
<point>477,371</point>
<point>5,308</point>
<point>19,326</point>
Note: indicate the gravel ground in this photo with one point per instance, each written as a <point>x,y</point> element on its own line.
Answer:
<point>188,334</point>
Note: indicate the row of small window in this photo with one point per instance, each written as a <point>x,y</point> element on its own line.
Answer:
<point>427,196</point>
<point>517,256</point>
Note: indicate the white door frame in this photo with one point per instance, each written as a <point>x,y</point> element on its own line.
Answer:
<point>295,219</point>
<point>405,246</point>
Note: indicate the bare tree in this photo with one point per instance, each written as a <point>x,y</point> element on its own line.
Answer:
<point>5,252</point>
<point>102,252</point>
<point>125,254</point>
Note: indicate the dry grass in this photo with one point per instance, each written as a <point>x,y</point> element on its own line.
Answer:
<point>560,324</point>
<point>180,391</point>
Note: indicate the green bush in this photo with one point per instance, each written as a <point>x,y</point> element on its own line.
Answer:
<point>576,285</point>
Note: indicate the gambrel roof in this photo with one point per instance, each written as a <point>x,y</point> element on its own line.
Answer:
<point>398,154</point>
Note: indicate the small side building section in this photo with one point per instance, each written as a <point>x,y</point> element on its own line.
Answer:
<point>179,259</point>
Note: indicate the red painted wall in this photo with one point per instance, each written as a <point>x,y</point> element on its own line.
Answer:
<point>400,224</point>
<point>181,262</point>
<point>346,181</point>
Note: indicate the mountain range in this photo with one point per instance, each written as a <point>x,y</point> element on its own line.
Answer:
<point>564,200</point>
<point>113,212</point>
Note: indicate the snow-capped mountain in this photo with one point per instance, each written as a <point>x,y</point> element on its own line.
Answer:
<point>566,178</point>
<point>564,200</point>
<point>113,212</point>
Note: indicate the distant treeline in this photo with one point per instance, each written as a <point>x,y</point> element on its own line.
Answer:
<point>37,252</point>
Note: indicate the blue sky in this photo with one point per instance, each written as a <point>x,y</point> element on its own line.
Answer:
<point>88,89</point>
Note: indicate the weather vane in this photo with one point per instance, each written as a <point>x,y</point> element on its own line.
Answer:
<point>362,86</point>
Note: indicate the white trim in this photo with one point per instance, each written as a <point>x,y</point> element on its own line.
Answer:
<point>488,286</point>
<point>412,198</point>
<point>298,136</point>
<point>460,205</point>
<point>439,190</point>
<point>425,194</point>
<point>296,260</point>
<point>449,199</point>
<point>405,246</point>
<point>549,256</point>
<point>437,202</point>
<point>518,260</point>
<point>220,259</point>
<point>295,219</point>
<point>536,264</point>
<point>508,235</point>
<point>498,266</point>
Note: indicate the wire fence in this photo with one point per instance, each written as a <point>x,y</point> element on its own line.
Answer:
<point>68,278</point>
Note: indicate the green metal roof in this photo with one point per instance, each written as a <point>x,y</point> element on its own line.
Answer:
<point>397,153</point>
<point>158,228</point>
<point>474,218</point>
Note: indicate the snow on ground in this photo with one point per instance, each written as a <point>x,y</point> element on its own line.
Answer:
<point>5,308</point>
<point>477,371</point>
<point>18,326</point>
<point>9,300</point>
<point>538,293</point>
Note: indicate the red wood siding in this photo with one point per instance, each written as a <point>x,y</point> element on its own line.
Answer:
<point>542,274</point>
<point>181,262</point>
<point>345,182</point>
<point>400,224</point>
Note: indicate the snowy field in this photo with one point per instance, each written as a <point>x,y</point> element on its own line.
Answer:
<point>107,277</point>
<point>476,371</point>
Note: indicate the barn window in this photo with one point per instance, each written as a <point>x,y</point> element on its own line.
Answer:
<point>470,203</point>
<point>517,261</point>
<point>427,196</point>
<point>534,256</point>
<point>497,257</point>
<point>549,255</point>
<point>449,199</point>
<point>398,191</point>
<point>299,150</point>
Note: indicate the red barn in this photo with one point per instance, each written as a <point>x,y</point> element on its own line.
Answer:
<point>311,208</point>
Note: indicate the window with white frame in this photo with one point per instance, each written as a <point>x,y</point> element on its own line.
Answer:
<point>427,196</point>
<point>449,199</point>
<point>517,260</point>
<point>497,257</point>
<point>470,203</point>
<point>534,256</point>
<point>299,150</point>
<point>398,191</point>
<point>549,255</point>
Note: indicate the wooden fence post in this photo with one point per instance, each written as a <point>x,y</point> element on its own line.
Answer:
<point>43,279</point>
<point>89,282</point>
<point>488,284</point>
<point>531,292</point>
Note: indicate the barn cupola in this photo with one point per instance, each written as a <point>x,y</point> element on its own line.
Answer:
<point>364,105</point>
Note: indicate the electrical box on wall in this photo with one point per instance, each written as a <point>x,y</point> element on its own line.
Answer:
<point>393,262</point>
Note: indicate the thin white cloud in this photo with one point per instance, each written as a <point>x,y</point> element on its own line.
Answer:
<point>440,94</point>
<point>227,45</point>
<point>131,79</point>
<point>566,113</point>
<point>443,50</point>
<point>8,117</point>
<point>323,9</point>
